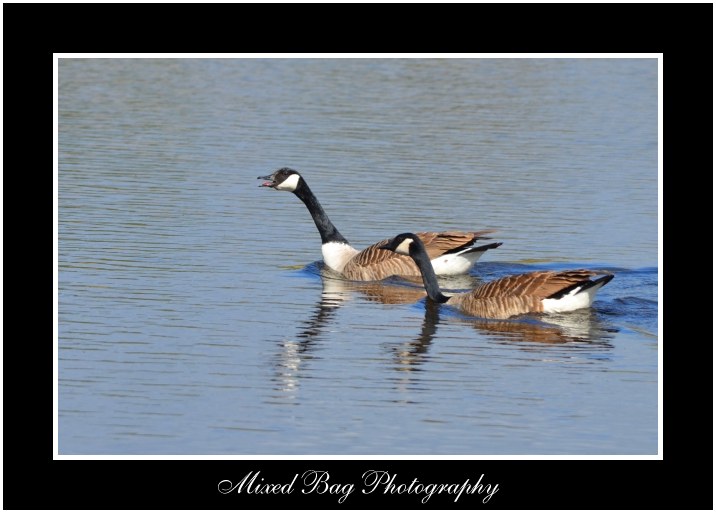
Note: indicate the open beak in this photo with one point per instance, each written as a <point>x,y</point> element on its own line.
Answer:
<point>269,183</point>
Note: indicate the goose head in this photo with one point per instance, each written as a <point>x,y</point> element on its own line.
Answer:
<point>401,244</point>
<point>285,179</point>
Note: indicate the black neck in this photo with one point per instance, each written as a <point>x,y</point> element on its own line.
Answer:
<point>329,233</point>
<point>422,260</point>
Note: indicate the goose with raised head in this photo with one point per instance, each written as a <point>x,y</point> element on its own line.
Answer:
<point>535,292</point>
<point>450,252</point>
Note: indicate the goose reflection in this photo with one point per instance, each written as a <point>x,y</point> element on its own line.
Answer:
<point>581,326</point>
<point>585,329</point>
<point>336,292</point>
<point>410,355</point>
<point>580,332</point>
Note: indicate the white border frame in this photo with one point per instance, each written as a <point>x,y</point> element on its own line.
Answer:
<point>58,56</point>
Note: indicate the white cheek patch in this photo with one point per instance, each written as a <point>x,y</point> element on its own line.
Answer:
<point>404,247</point>
<point>289,184</point>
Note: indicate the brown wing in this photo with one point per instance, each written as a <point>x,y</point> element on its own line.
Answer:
<point>496,307</point>
<point>376,264</point>
<point>439,243</point>
<point>540,284</point>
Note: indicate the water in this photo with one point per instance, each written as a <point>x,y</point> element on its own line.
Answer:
<point>194,316</point>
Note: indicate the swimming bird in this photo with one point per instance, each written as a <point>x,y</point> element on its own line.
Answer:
<point>451,252</point>
<point>535,292</point>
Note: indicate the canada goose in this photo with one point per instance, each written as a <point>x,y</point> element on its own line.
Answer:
<point>535,292</point>
<point>451,252</point>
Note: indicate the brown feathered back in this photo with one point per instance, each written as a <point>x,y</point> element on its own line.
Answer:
<point>376,264</point>
<point>519,294</point>
<point>499,307</point>
<point>541,284</point>
<point>439,243</point>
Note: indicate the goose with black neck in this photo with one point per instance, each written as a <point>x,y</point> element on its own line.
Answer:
<point>535,292</point>
<point>451,252</point>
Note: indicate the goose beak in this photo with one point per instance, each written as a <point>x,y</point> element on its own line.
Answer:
<point>269,183</point>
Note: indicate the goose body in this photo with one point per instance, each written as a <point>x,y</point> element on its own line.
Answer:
<point>451,252</point>
<point>535,292</point>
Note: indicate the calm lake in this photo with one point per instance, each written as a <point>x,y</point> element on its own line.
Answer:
<point>194,315</point>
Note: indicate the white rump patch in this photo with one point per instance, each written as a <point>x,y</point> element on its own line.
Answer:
<point>289,184</point>
<point>575,300</point>
<point>455,263</point>
<point>337,254</point>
